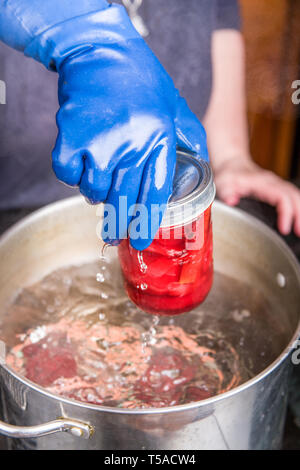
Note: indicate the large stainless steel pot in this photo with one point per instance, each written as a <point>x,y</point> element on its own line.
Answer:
<point>249,417</point>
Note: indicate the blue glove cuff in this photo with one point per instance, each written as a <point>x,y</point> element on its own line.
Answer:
<point>78,34</point>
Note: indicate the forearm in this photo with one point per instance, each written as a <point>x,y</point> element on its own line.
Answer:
<point>22,20</point>
<point>226,118</point>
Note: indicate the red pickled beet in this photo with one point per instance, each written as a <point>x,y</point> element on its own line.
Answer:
<point>165,380</point>
<point>46,364</point>
<point>174,274</point>
<point>196,394</point>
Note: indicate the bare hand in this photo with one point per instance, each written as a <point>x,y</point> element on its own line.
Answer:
<point>236,179</point>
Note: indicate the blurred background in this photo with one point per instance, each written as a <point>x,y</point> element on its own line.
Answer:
<point>271,31</point>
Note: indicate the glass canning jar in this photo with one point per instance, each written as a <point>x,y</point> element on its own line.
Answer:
<point>175,273</point>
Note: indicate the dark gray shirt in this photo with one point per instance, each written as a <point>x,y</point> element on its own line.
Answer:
<point>180,36</point>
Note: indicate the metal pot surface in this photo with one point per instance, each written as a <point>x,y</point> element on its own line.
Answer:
<point>251,416</point>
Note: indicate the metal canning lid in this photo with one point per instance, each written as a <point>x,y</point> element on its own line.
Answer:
<point>193,190</point>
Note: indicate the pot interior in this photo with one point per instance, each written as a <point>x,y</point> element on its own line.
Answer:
<point>253,305</point>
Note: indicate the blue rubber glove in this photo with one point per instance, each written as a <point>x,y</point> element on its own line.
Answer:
<point>120,118</point>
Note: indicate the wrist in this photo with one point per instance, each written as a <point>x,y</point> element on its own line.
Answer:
<point>231,159</point>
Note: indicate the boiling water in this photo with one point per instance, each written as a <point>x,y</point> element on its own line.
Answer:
<point>78,335</point>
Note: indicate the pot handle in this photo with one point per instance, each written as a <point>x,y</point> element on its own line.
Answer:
<point>72,426</point>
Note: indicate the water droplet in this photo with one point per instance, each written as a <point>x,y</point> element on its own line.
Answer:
<point>100,277</point>
<point>142,264</point>
<point>103,254</point>
<point>281,280</point>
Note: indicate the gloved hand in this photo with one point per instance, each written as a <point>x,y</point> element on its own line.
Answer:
<point>120,116</point>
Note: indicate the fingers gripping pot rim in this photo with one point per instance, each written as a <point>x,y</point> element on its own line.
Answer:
<point>175,273</point>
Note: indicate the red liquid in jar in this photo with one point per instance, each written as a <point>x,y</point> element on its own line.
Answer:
<point>175,273</point>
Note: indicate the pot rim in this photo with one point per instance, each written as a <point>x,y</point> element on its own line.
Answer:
<point>242,215</point>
